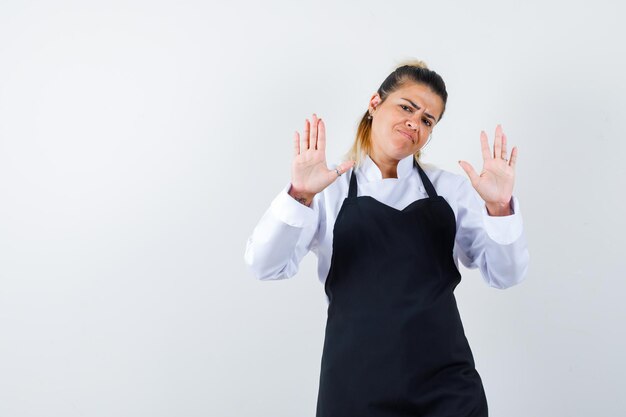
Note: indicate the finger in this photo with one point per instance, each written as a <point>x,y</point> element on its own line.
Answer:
<point>321,136</point>
<point>313,138</point>
<point>503,153</point>
<point>471,173</point>
<point>513,160</point>
<point>497,143</point>
<point>304,143</point>
<point>484,146</point>
<point>296,144</point>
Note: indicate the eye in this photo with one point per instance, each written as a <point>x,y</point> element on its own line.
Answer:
<point>406,108</point>
<point>428,122</point>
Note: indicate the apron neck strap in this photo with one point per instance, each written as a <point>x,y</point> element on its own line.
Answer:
<point>427,184</point>
<point>352,190</point>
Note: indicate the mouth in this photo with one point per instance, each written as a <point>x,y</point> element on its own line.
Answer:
<point>406,135</point>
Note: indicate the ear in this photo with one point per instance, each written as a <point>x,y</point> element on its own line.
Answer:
<point>374,101</point>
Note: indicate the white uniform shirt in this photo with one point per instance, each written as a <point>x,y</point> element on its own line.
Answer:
<point>288,229</point>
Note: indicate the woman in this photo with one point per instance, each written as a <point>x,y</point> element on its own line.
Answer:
<point>388,238</point>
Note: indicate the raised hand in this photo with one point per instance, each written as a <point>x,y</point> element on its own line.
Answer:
<point>495,182</point>
<point>309,173</point>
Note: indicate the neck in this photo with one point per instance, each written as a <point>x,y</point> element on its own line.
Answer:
<point>388,167</point>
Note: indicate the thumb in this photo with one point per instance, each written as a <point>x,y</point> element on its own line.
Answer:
<point>345,166</point>
<point>342,168</point>
<point>469,170</point>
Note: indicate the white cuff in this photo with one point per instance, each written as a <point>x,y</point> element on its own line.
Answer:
<point>504,230</point>
<point>285,208</point>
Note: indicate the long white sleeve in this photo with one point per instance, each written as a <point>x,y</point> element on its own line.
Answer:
<point>288,230</point>
<point>496,245</point>
<point>282,237</point>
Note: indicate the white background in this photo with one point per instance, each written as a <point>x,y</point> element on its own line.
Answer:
<point>141,141</point>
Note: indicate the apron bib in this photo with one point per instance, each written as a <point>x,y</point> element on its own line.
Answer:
<point>394,342</point>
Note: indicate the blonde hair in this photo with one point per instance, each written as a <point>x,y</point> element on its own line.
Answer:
<point>408,71</point>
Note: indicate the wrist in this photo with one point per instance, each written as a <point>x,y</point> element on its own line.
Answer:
<point>301,197</point>
<point>499,209</point>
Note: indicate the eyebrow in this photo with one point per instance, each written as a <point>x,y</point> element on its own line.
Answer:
<point>418,107</point>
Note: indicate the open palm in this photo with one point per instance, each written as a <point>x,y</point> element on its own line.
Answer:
<point>495,182</point>
<point>309,172</point>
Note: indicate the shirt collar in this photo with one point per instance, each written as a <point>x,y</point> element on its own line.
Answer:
<point>371,171</point>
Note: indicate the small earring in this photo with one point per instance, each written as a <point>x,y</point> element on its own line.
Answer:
<point>369,117</point>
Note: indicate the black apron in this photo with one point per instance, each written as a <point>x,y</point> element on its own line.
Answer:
<point>394,343</point>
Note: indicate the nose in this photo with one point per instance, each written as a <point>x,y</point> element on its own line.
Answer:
<point>413,124</point>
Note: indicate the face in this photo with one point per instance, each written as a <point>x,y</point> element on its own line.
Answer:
<point>402,123</point>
